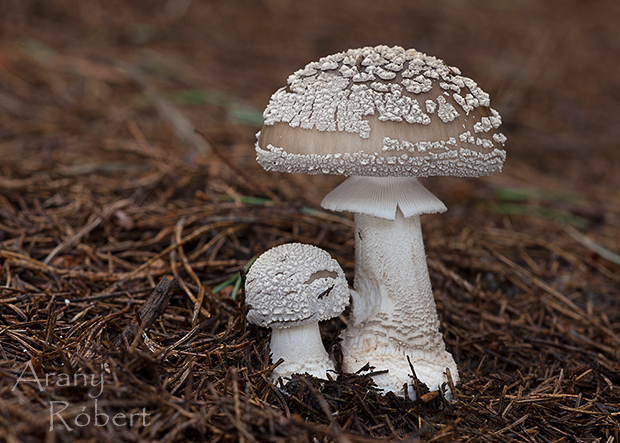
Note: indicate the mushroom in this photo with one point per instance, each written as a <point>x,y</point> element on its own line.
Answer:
<point>290,288</point>
<point>385,116</point>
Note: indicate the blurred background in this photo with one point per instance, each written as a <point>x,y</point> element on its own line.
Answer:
<point>550,66</point>
<point>105,99</point>
<point>162,99</point>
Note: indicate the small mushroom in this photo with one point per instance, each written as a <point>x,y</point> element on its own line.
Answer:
<point>385,116</point>
<point>290,288</point>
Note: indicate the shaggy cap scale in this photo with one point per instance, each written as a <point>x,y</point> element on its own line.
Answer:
<point>295,284</point>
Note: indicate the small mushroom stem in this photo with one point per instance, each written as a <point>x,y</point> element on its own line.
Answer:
<point>394,313</point>
<point>302,349</point>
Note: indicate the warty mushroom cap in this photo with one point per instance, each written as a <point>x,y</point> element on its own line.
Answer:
<point>381,111</point>
<point>295,284</point>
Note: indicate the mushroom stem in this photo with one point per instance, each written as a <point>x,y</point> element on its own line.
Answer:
<point>302,349</point>
<point>394,313</point>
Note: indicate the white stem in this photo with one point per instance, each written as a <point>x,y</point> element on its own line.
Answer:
<point>394,313</point>
<point>302,350</point>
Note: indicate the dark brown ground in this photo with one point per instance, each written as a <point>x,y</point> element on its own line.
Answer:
<point>101,199</point>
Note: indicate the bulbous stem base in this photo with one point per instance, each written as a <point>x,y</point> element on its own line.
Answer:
<point>394,313</point>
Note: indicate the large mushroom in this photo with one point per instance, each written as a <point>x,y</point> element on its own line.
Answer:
<point>384,116</point>
<point>290,288</point>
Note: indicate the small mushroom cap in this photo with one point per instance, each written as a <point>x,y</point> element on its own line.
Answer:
<point>381,111</point>
<point>295,284</point>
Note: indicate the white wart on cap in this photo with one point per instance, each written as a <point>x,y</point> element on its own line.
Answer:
<point>381,111</point>
<point>295,284</point>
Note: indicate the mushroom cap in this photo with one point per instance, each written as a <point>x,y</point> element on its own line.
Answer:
<point>295,284</point>
<point>381,111</point>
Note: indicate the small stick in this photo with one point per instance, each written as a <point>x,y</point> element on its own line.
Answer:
<point>51,321</point>
<point>241,300</point>
<point>451,384</point>
<point>154,307</point>
<point>416,382</point>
